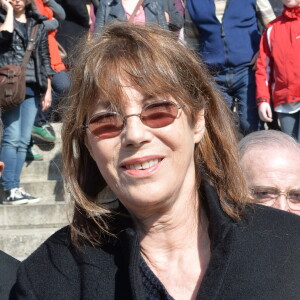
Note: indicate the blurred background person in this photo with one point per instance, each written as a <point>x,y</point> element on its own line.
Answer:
<point>277,7</point>
<point>73,28</point>
<point>161,12</point>
<point>271,163</point>
<point>60,82</point>
<point>174,14</point>
<point>278,70</point>
<point>17,18</point>
<point>228,43</point>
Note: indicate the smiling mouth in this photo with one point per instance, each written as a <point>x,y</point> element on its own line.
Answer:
<point>143,166</point>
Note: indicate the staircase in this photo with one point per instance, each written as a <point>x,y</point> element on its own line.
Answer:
<point>24,227</point>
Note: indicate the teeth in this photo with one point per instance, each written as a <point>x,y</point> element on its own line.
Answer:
<point>143,166</point>
<point>146,165</point>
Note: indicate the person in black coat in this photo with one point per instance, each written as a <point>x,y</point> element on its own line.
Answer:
<point>151,161</point>
<point>8,274</point>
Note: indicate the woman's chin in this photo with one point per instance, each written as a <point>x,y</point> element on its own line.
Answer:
<point>145,200</point>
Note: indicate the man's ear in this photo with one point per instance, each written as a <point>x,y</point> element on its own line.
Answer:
<point>199,127</point>
<point>1,167</point>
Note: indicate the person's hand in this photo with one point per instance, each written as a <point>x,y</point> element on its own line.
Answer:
<point>46,102</point>
<point>167,17</point>
<point>6,4</point>
<point>265,112</point>
<point>47,98</point>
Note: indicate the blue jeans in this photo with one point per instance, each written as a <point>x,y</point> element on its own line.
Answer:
<point>290,124</point>
<point>239,83</point>
<point>60,86</point>
<point>17,125</point>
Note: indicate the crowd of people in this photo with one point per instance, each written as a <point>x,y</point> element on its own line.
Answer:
<point>150,146</point>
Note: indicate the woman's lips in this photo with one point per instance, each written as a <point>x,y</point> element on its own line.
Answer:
<point>142,166</point>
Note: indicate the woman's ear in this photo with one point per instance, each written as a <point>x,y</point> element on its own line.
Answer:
<point>199,127</point>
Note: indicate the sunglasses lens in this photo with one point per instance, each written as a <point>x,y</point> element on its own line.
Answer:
<point>106,125</point>
<point>159,114</point>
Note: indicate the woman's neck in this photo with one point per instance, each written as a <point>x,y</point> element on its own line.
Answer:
<point>20,16</point>
<point>176,247</point>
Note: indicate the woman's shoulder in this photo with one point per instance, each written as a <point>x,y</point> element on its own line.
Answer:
<point>267,228</point>
<point>258,217</point>
<point>55,250</point>
<point>264,257</point>
<point>59,253</point>
<point>57,270</point>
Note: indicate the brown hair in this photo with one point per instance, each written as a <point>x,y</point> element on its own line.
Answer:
<point>154,60</point>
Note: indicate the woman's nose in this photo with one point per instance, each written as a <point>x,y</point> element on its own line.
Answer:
<point>135,132</point>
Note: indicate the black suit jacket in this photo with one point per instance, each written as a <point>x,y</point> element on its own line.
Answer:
<point>255,258</point>
<point>8,274</point>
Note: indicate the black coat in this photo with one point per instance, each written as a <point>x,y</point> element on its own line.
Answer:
<point>8,274</point>
<point>13,46</point>
<point>255,258</point>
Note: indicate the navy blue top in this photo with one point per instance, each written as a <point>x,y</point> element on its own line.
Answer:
<point>233,42</point>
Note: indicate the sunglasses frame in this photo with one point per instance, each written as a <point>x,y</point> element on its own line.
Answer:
<point>279,192</point>
<point>124,118</point>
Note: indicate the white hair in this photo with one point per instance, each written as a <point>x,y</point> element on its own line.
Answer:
<point>267,139</point>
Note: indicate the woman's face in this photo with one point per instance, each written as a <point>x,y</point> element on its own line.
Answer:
<point>147,167</point>
<point>18,5</point>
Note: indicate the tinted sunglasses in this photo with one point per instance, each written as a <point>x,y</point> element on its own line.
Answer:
<point>156,114</point>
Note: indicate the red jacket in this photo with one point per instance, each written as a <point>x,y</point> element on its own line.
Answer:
<point>278,63</point>
<point>55,59</point>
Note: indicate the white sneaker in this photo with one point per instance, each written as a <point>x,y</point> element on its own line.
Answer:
<point>15,197</point>
<point>30,199</point>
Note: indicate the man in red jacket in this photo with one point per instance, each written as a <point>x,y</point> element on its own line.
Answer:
<point>278,70</point>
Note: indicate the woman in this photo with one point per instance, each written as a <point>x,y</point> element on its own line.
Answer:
<point>17,21</point>
<point>163,13</point>
<point>144,126</point>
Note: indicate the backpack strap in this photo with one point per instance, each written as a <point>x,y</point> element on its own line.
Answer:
<point>30,46</point>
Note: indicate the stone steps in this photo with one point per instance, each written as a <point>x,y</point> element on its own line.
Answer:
<point>34,215</point>
<point>41,170</point>
<point>20,243</point>
<point>24,227</point>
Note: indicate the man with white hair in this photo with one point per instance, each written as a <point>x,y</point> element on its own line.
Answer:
<point>271,162</point>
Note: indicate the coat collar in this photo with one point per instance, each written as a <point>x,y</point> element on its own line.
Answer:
<point>120,260</point>
<point>291,12</point>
